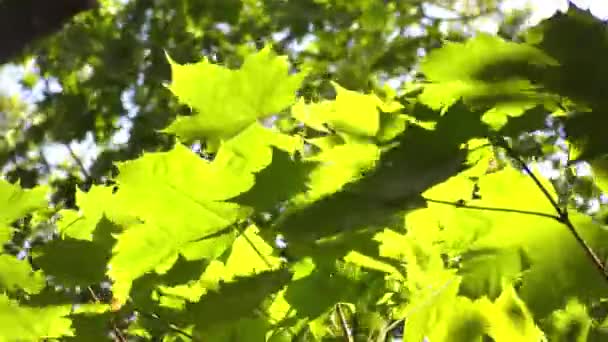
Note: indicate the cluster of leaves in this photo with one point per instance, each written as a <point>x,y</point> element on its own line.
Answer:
<point>358,217</point>
<point>102,76</point>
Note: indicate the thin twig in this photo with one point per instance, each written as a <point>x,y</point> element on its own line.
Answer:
<point>505,210</point>
<point>344,324</point>
<point>588,250</point>
<point>383,334</point>
<point>45,162</point>
<point>118,334</point>
<point>563,214</point>
<point>94,295</point>
<point>527,170</point>
<point>75,157</point>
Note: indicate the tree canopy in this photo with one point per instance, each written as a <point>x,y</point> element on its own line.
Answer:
<point>311,170</point>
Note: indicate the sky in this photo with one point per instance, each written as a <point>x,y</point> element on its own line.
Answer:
<point>55,153</point>
<point>540,9</point>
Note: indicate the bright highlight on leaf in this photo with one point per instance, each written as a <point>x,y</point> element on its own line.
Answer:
<point>351,112</point>
<point>488,73</point>
<point>18,275</point>
<point>16,203</point>
<point>31,323</point>
<point>225,101</point>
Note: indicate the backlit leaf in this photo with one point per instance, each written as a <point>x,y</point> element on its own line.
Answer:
<point>226,101</point>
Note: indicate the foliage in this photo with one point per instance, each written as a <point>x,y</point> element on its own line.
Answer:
<point>100,81</point>
<point>359,216</point>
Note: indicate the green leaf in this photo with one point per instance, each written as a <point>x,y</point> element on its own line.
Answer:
<point>530,120</point>
<point>140,249</point>
<point>403,172</point>
<point>351,112</point>
<point>370,263</point>
<point>209,247</point>
<point>82,224</point>
<point>250,254</point>
<point>391,125</point>
<point>246,330</point>
<point>18,275</point>
<point>281,180</point>
<point>418,254</point>
<point>586,135</point>
<point>149,188</point>
<point>90,327</point>
<point>571,323</point>
<point>600,172</point>
<point>499,74</point>
<point>32,324</point>
<point>339,213</point>
<point>445,316</point>
<point>580,75</point>
<point>237,299</point>
<point>251,150</point>
<point>5,234</point>
<point>16,203</point>
<point>485,270</point>
<point>498,116</point>
<point>509,319</point>
<point>57,259</point>
<point>548,246</point>
<point>486,51</point>
<point>340,165</point>
<point>427,314</point>
<point>335,286</point>
<point>465,322</point>
<point>226,101</point>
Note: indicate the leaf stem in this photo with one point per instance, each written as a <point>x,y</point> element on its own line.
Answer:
<point>383,336</point>
<point>93,295</point>
<point>78,161</point>
<point>505,210</point>
<point>588,250</point>
<point>562,213</point>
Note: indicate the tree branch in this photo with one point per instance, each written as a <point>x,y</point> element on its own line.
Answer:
<point>344,324</point>
<point>79,162</point>
<point>562,213</point>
